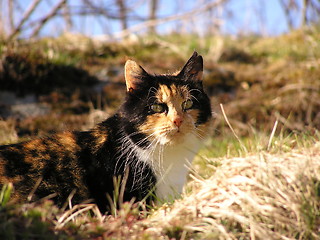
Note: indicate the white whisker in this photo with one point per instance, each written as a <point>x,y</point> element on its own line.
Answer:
<point>192,96</point>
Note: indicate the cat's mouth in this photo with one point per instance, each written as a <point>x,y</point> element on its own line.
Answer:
<point>172,136</point>
<point>168,135</point>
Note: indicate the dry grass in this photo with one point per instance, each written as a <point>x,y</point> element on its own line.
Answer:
<point>262,196</point>
<point>8,133</point>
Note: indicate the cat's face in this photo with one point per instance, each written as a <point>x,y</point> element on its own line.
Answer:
<point>166,109</point>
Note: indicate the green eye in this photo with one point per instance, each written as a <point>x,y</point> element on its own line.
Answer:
<point>187,104</point>
<point>158,108</point>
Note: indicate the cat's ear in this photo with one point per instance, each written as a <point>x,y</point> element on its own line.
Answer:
<point>133,74</point>
<point>193,69</point>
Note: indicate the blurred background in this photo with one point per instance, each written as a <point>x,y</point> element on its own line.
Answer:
<point>115,19</point>
<point>61,61</point>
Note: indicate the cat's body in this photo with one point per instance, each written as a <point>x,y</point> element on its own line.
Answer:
<point>147,145</point>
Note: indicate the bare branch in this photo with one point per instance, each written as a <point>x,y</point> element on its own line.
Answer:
<point>49,16</point>
<point>155,22</point>
<point>303,21</point>
<point>152,14</point>
<point>2,30</point>
<point>11,14</point>
<point>122,14</point>
<point>286,10</point>
<point>108,13</point>
<point>25,17</point>
<point>67,17</point>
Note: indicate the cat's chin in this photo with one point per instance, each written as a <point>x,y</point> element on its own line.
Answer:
<point>172,139</point>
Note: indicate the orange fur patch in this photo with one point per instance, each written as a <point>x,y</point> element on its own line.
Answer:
<point>34,144</point>
<point>67,140</point>
<point>100,139</point>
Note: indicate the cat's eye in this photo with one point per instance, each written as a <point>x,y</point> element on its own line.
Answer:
<point>187,104</point>
<point>157,108</point>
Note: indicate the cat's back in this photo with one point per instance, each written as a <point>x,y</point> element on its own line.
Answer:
<point>61,164</point>
<point>35,154</point>
<point>57,151</point>
<point>52,161</point>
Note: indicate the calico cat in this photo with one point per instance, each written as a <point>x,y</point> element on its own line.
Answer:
<point>148,141</point>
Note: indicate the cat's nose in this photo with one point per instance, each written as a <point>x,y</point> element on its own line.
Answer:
<point>178,121</point>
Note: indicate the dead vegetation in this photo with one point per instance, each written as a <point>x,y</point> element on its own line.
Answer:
<point>260,196</point>
<point>263,196</point>
<point>259,80</point>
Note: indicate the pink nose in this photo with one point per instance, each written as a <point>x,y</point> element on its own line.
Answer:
<point>178,121</point>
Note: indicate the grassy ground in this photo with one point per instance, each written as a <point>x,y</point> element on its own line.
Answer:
<point>262,195</point>
<point>258,80</point>
<point>257,178</point>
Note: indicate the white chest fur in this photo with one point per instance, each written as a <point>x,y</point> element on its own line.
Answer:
<point>171,166</point>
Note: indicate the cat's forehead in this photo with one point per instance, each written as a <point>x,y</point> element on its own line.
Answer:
<point>166,93</point>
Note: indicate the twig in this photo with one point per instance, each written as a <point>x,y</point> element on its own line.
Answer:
<point>34,189</point>
<point>72,213</point>
<point>123,186</point>
<point>234,133</point>
<point>272,134</point>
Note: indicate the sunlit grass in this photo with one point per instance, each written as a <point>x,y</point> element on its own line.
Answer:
<point>233,193</point>
<point>262,195</point>
<point>228,146</point>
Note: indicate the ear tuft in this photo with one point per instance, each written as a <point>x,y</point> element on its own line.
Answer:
<point>193,69</point>
<point>133,74</point>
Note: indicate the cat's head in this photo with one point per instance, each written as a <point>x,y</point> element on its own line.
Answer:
<point>166,109</point>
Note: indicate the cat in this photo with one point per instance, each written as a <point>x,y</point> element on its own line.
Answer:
<point>148,143</point>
